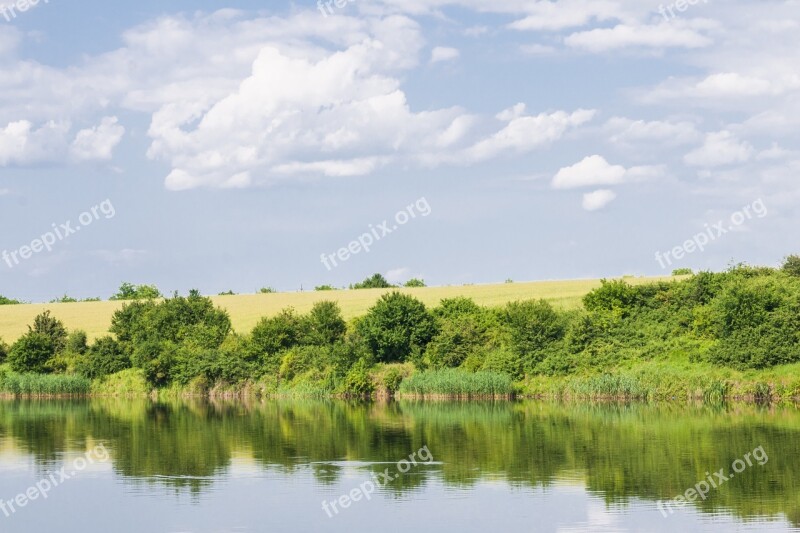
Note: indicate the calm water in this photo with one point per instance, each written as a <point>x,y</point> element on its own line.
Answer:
<point>176,467</point>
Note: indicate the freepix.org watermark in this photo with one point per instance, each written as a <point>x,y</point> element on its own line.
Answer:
<point>719,478</point>
<point>11,11</point>
<point>678,5</point>
<point>326,6</point>
<point>712,233</point>
<point>366,489</point>
<point>363,244</point>
<point>99,454</point>
<point>59,232</point>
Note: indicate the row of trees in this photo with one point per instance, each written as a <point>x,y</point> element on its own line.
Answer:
<point>743,318</point>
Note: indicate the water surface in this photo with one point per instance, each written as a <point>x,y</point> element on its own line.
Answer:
<point>145,466</point>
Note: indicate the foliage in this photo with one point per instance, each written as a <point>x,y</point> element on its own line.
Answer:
<point>682,272</point>
<point>322,288</point>
<point>791,265</point>
<point>129,291</point>
<point>376,281</point>
<point>415,283</point>
<point>397,326</point>
<point>64,300</point>
<point>51,328</point>
<point>8,301</point>
<point>534,326</point>
<point>43,384</point>
<point>31,353</point>
<point>267,290</point>
<point>104,357</point>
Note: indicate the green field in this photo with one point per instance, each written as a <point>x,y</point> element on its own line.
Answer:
<point>246,309</point>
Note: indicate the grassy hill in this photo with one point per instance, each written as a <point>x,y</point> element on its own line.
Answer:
<point>246,309</point>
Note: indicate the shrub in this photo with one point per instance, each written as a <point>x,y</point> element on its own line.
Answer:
<point>615,296</point>
<point>358,382</point>
<point>321,288</point>
<point>456,307</point>
<point>396,326</point>
<point>64,300</point>
<point>32,353</point>
<point>8,301</point>
<point>129,291</point>
<point>377,281</point>
<point>533,326</point>
<point>682,272</point>
<point>273,335</point>
<point>104,357</point>
<point>456,339</point>
<point>77,342</point>
<point>415,283</point>
<point>504,361</point>
<point>267,290</point>
<point>3,352</point>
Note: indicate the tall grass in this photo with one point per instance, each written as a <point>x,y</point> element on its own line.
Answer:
<point>457,383</point>
<point>43,385</point>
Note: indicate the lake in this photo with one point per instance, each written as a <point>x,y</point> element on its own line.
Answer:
<point>305,465</point>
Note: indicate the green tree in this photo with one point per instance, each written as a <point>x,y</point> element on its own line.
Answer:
<point>325,324</point>
<point>534,326</point>
<point>397,326</point>
<point>415,283</point>
<point>52,328</point>
<point>8,301</point>
<point>32,353</point>
<point>791,265</point>
<point>129,291</point>
<point>376,281</point>
<point>275,334</point>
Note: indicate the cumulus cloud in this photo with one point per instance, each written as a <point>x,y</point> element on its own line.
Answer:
<point>97,143</point>
<point>591,171</point>
<point>628,132</point>
<point>598,199</point>
<point>21,143</point>
<point>719,149</point>
<point>663,35</point>
<point>442,53</point>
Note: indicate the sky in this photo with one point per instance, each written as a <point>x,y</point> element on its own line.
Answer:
<point>238,145</point>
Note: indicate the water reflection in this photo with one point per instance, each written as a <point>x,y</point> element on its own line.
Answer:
<point>619,455</point>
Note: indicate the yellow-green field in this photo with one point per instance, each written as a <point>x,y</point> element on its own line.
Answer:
<point>246,309</point>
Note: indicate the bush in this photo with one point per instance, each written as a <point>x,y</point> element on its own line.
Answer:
<point>3,351</point>
<point>358,382</point>
<point>273,335</point>
<point>415,283</point>
<point>377,281</point>
<point>32,353</point>
<point>682,272</point>
<point>77,342</point>
<point>504,361</point>
<point>104,357</point>
<point>397,326</point>
<point>8,301</point>
<point>456,340</point>
<point>322,288</point>
<point>614,296</point>
<point>533,327</point>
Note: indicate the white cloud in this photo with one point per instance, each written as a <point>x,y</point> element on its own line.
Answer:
<point>22,144</point>
<point>97,143</point>
<point>555,16</point>
<point>591,171</point>
<point>627,132</point>
<point>663,35</point>
<point>442,53</point>
<point>398,275</point>
<point>526,133</point>
<point>719,149</point>
<point>599,199</point>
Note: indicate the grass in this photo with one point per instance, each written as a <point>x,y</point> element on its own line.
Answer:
<point>246,309</point>
<point>42,385</point>
<point>456,383</point>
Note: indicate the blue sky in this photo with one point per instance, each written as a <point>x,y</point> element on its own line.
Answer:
<point>238,142</point>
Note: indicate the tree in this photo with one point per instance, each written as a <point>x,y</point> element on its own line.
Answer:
<point>129,291</point>
<point>533,327</point>
<point>325,324</point>
<point>52,328</point>
<point>275,334</point>
<point>321,288</point>
<point>31,353</point>
<point>377,281</point>
<point>7,301</point>
<point>682,272</point>
<point>397,326</point>
<point>3,352</point>
<point>415,283</point>
<point>791,265</point>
